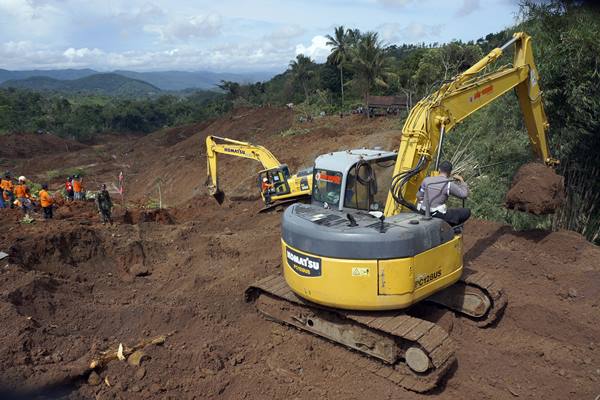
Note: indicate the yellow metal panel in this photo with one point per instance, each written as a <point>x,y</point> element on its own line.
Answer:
<point>396,276</point>
<point>356,284</point>
<point>437,268</point>
<point>348,282</point>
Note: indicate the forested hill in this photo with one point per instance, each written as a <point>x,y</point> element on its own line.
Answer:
<point>164,80</point>
<point>98,84</point>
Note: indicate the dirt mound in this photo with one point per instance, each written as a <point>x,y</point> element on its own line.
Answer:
<point>27,145</point>
<point>536,189</point>
<point>138,216</point>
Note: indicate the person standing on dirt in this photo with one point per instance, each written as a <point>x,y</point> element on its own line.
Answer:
<point>104,204</point>
<point>8,191</point>
<point>77,188</point>
<point>22,194</point>
<point>69,188</point>
<point>46,201</point>
<point>438,189</point>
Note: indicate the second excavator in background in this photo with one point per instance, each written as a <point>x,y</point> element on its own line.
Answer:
<point>275,183</point>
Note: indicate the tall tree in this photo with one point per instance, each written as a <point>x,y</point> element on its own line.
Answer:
<point>371,65</point>
<point>340,51</point>
<point>302,71</point>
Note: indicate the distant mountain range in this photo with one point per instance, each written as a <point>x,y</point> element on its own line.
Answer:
<point>164,80</point>
<point>101,84</point>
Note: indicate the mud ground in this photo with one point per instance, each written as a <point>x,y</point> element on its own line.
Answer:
<point>73,287</point>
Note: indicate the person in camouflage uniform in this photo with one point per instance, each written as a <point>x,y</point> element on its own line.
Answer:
<point>104,204</point>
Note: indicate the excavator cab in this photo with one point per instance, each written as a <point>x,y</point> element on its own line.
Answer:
<point>278,177</point>
<point>353,180</point>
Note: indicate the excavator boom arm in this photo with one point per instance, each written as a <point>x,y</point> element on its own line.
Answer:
<point>438,113</point>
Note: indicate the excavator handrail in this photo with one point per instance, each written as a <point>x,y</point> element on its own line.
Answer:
<point>435,115</point>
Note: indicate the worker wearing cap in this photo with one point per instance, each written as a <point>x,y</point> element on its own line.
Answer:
<point>266,187</point>
<point>438,189</point>
<point>69,188</point>
<point>7,190</point>
<point>46,201</point>
<point>77,188</point>
<point>22,194</point>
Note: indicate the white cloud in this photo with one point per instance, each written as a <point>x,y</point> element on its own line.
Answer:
<point>393,3</point>
<point>468,7</point>
<point>413,32</point>
<point>142,14</point>
<point>191,27</point>
<point>82,53</point>
<point>317,50</point>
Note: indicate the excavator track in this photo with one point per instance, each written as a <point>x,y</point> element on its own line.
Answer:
<point>412,353</point>
<point>476,295</point>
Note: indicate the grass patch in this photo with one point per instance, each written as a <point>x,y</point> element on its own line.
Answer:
<point>294,132</point>
<point>57,173</point>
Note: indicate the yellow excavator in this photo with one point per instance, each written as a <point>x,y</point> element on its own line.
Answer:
<point>360,254</point>
<point>276,185</point>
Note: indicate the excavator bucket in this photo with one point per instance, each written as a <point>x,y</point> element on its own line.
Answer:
<point>215,192</point>
<point>219,195</point>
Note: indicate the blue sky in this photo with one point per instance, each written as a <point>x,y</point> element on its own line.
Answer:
<point>225,35</point>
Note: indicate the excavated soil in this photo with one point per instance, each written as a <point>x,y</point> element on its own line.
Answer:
<point>536,189</point>
<point>72,287</point>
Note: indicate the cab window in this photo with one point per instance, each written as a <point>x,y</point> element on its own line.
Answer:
<point>327,186</point>
<point>368,184</point>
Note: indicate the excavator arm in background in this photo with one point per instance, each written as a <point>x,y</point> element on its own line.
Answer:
<point>438,113</point>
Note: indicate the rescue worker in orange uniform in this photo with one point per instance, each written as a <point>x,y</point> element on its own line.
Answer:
<point>46,201</point>
<point>8,191</point>
<point>266,187</point>
<point>22,194</point>
<point>77,188</point>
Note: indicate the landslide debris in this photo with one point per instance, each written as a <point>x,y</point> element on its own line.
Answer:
<point>536,189</point>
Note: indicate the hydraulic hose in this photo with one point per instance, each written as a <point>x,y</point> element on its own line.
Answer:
<point>401,179</point>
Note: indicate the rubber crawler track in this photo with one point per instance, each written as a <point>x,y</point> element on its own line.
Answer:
<point>431,338</point>
<point>495,293</point>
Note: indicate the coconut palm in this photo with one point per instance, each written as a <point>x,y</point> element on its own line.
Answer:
<point>302,71</point>
<point>340,51</point>
<point>371,64</point>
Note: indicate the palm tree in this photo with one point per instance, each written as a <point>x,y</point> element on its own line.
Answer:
<point>371,64</point>
<point>302,71</point>
<point>340,51</point>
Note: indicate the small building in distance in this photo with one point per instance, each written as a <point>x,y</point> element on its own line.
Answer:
<point>387,105</point>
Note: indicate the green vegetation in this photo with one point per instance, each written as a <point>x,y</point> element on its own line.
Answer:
<point>488,147</point>
<point>84,117</point>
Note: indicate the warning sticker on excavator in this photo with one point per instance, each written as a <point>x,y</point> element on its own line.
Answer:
<point>360,271</point>
<point>303,265</point>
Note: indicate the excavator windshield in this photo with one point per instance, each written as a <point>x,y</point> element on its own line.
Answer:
<point>368,183</point>
<point>327,186</point>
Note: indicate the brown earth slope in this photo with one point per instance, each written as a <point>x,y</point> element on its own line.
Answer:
<point>73,287</point>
